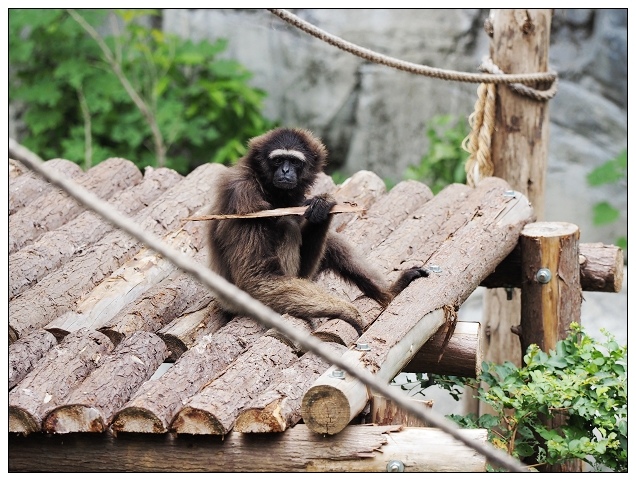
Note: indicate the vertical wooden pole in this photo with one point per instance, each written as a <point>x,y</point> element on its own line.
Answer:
<point>520,44</point>
<point>551,296</point>
<point>551,293</point>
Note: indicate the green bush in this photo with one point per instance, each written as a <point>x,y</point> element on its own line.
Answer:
<point>581,379</point>
<point>444,161</point>
<point>77,107</point>
<point>614,171</point>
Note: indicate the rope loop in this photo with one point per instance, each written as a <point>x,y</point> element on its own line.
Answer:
<point>487,65</point>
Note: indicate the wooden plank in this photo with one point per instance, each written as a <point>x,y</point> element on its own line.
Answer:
<point>91,405</point>
<point>57,292</point>
<point>24,189</point>
<point>52,210</point>
<point>362,448</point>
<point>54,248</point>
<point>488,234</point>
<point>65,366</point>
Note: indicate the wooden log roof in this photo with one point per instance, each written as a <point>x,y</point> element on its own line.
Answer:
<point>93,314</point>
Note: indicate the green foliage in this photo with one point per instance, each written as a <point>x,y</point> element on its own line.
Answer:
<point>581,379</point>
<point>76,104</point>
<point>614,171</point>
<point>443,163</point>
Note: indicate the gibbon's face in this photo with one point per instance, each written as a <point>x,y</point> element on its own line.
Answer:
<point>287,166</point>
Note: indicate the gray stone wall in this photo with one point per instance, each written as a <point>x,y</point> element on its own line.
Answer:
<point>373,117</point>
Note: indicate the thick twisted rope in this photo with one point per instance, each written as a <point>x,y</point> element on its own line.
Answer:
<point>365,53</point>
<point>482,122</point>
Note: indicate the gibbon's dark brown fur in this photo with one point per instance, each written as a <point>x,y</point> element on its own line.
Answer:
<point>275,259</point>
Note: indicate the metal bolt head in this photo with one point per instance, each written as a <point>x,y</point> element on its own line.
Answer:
<point>395,466</point>
<point>544,275</point>
<point>337,374</point>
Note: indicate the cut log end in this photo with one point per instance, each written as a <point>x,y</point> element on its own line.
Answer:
<point>197,421</point>
<point>267,420</point>
<point>21,421</point>
<point>325,409</point>
<point>137,420</point>
<point>75,418</point>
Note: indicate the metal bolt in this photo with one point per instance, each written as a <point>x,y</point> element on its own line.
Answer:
<point>362,346</point>
<point>544,275</point>
<point>395,467</point>
<point>337,374</point>
<point>509,292</point>
<point>434,268</point>
<point>510,193</point>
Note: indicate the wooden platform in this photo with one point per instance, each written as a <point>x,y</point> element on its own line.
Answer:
<point>93,316</point>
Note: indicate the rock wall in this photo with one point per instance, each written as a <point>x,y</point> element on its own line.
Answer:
<point>373,117</point>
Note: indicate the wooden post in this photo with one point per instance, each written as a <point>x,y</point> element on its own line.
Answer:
<point>520,42</point>
<point>551,294</point>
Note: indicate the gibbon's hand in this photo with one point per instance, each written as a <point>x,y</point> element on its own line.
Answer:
<point>318,208</point>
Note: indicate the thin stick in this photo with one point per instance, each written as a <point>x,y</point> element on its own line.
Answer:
<point>336,209</point>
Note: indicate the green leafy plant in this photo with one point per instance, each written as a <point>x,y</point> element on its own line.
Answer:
<point>136,92</point>
<point>443,163</point>
<point>614,171</point>
<point>582,380</point>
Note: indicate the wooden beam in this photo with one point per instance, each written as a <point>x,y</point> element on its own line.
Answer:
<point>601,267</point>
<point>361,448</point>
<point>462,356</point>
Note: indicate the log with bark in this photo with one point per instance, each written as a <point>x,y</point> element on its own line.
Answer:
<point>214,409</point>
<point>484,231</point>
<point>57,292</point>
<point>127,283</point>
<point>154,406</point>
<point>16,169</point>
<point>52,210</point>
<point>54,248</point>
<point>91,405</point>
<point>176,295</point>
<point>26,352</point>
<point>601,269</point>
<point>24,189</point>
<point>63,368</point>
<point>459,355</point>
<point>188,329</point>
<point>278,407</point>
